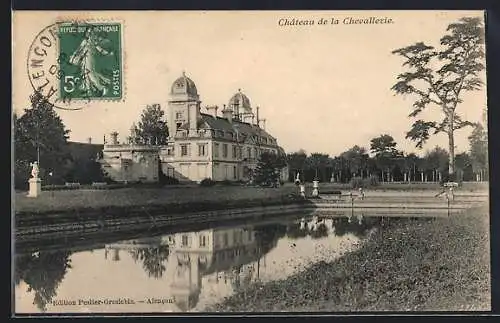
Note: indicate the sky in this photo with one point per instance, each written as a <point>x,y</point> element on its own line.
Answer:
<point>321,88</point>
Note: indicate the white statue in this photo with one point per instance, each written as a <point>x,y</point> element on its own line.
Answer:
<point>34,169</point>
<point>297,179</point>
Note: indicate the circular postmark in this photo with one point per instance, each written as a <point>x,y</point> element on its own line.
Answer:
<point>72,64</point>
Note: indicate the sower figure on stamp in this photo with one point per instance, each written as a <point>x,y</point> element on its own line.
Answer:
<point>91,45</point>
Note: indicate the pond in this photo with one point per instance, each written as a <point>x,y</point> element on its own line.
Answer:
<point>180,271</point>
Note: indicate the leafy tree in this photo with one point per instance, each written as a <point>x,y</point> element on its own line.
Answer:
<point>357,159</point>
<point>296,162</point>
<point>152,128</point>
<point>384,148</point>
<point>318,163</point>
<point>437,161</point>
<point>478,141</point>
<point>383,145</point>
<point>40,132</point>
<point>463,163</point>
<point>268,168</point>
<point>440,77</point>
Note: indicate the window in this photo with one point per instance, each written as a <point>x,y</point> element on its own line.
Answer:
<point>255,153</point>
<point>235,172</point>
<point>249,235</point>
<point>184,241</point>
<point>184,150</point>
<point>178,124</point>
<point>202,151</point>
<point>249,152</point>
<point>234,152</point>
<point>226,240</point>
<point>178,115</point>
<point>203,241</point>
<point>224,150</point>
<point>216,150</point>
<point>170,151</point>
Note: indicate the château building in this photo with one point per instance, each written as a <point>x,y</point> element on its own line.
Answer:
<point>220,145</point>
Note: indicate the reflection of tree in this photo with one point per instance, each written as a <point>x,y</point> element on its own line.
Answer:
<point>42,272</point>
<point>268,235</point>
<point>320,232</point>
<point>152,259</point>
<point>344,225</point>
<point>293,231</point>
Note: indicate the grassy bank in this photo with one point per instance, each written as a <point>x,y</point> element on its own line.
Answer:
<point>59,201</point>
<point>65,200</point>
<point>438,265</point>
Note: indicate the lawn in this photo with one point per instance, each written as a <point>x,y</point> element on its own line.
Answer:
<point>441,264</point>
<point>77,199</point>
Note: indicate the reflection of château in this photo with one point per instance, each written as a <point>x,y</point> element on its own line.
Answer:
<point>229,251</point>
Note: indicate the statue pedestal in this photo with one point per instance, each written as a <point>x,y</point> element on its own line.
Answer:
<point>315,192</point>
<point>35,187</point>
<point>303,190</point>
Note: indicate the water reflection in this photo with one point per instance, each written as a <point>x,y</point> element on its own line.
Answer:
<point>207,264</point>
<point>42,273</point>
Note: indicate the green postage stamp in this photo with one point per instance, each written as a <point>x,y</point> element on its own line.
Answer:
<point>90,61</point>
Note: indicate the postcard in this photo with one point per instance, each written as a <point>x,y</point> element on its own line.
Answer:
<point>249,161</point>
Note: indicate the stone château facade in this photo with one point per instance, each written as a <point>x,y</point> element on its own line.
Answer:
<point>220,146</point>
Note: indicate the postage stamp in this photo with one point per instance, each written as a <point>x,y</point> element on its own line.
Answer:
<point>74,63</point>
<point>90,60</point>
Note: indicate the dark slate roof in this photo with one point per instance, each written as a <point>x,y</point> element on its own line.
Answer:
<point>184,85</point>
<point>244,129</point>
<point>242,101</point>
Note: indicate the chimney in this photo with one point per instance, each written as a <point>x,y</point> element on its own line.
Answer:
<point>89,140</point>
<point>263,123</point>
<point>258,120</point>
<point>227,113</point>
<point>215,108</point>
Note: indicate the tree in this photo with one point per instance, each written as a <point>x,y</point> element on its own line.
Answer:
<point>383,145</point>
<point>152,128</point>
<point>40,135</point>
<point>478,141</point>
<point>296,162</point>
<point>317,164</point>
<point>357,158</point>
<point>463,164</point>
<point>268,168</point>
<point>384,148</point>
<point>440,77</point>
<point>437,161</point>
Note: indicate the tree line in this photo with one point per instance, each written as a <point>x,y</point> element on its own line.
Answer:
<point>385,163</point>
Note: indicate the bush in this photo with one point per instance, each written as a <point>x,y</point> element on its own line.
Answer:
<point>168,180</point>
<point>207,182</point>
<point>373,181</point>
<point>358,182</point>
<point>226,183</point>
